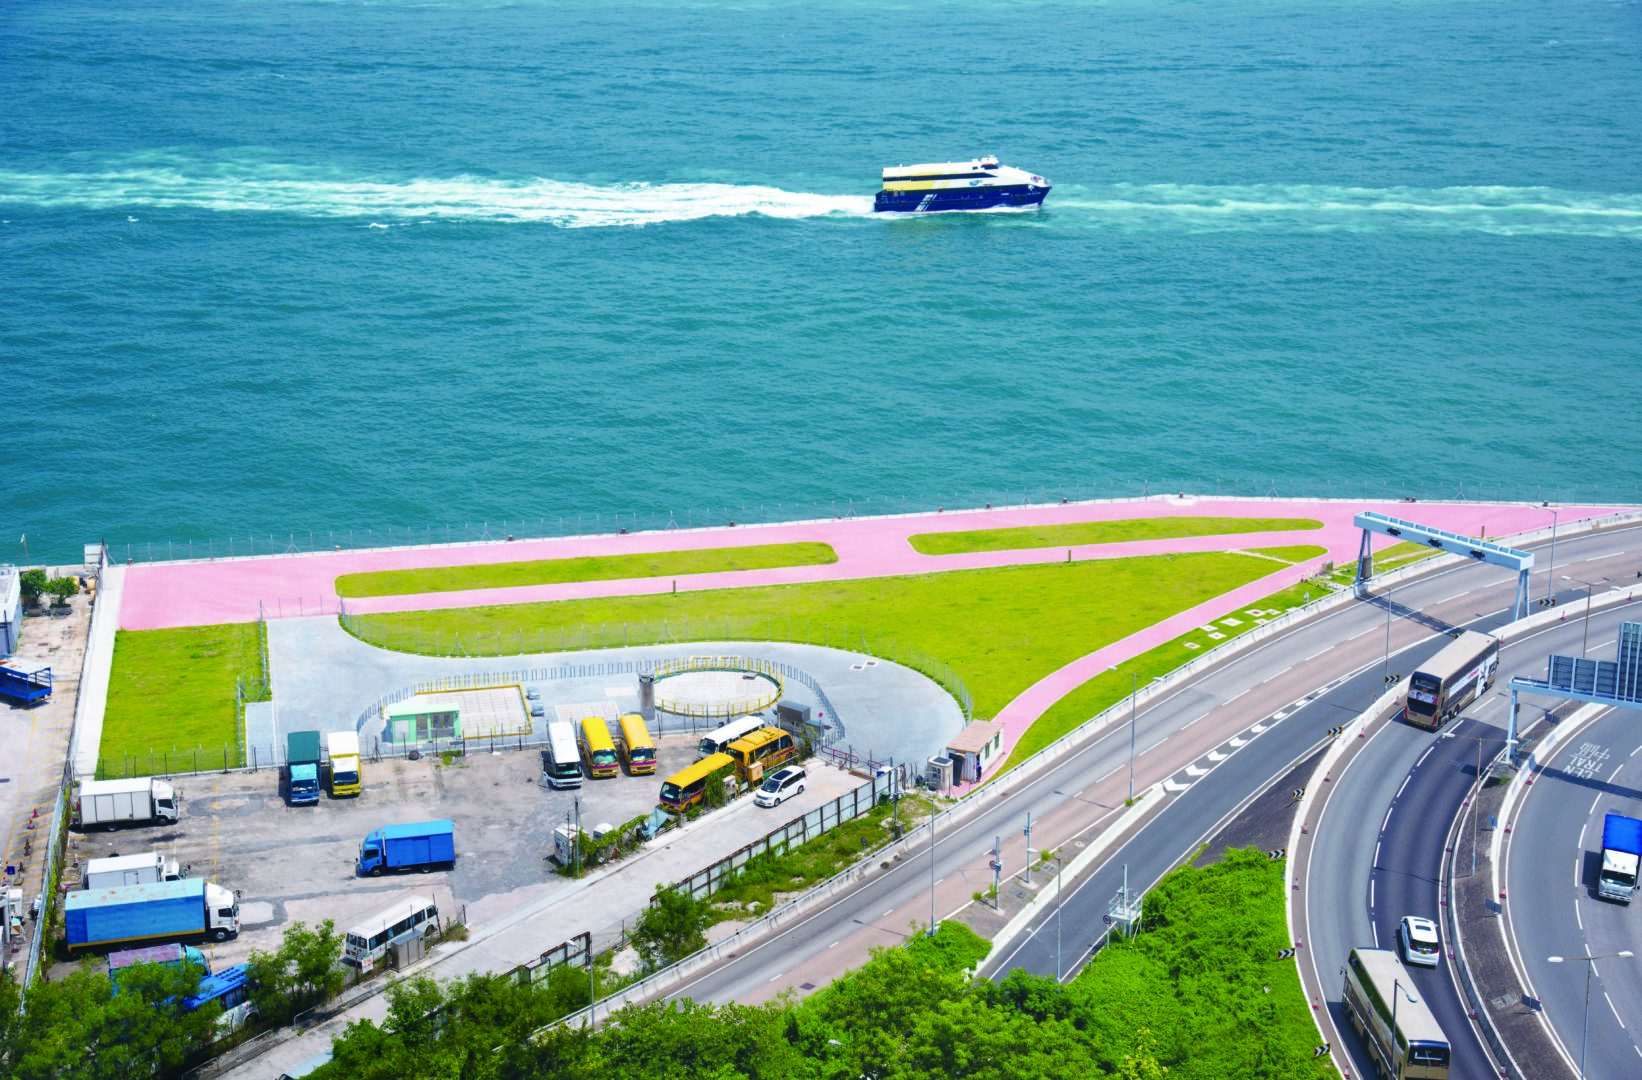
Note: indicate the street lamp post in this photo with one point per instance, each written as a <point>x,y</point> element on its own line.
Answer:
<point>1476,799</point>
<point>1398,990</point>
<point>1060,902</point>
<point>1134,692</point>
<point>1551,565</point>
<point>1590,588</point>
<point>1590,965</point>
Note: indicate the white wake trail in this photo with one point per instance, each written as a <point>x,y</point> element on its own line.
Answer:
<point>289,190</point>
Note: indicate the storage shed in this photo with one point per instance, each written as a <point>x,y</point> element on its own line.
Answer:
<point>424,718</point>
<point>973,748</point>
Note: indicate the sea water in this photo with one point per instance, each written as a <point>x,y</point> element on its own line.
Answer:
<point>282,268</point>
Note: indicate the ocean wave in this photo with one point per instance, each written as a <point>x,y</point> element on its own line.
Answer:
<point>310,193</point>
<point>1493,209</point>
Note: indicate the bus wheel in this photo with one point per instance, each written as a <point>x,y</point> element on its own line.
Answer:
<point>221,934</point>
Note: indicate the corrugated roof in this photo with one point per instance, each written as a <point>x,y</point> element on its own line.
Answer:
<point>975,737</point>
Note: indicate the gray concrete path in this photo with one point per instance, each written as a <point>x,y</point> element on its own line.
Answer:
<point>323,678</point>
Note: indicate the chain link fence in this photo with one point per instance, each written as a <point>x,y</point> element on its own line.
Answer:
<point>588,637</point>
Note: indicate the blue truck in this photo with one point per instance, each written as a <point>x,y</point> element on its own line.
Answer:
<point>24,680</point>
<point>1621,854</point>
<point>129,916</point>
<point>421,846</point>
<point>302,768</point>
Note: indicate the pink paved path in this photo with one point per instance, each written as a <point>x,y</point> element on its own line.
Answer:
<point>205,592</point>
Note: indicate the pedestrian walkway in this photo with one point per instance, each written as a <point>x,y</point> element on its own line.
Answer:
<point>204,592</point>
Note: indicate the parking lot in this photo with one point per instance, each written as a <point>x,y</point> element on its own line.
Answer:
<point>297,863</point>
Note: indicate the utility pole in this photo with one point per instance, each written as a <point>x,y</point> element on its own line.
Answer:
<point>934,813</point>
<point>1028,831</point>
<point>576,840</point>
<point>1134,692</point>
<point>997,871</point>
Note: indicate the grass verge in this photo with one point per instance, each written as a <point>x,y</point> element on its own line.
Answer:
<point>1000,630</point>
<point>591,568</point>
<point>1098,532</point>
<point>1111,687</point>
<point>171,704</point>
<point>1203,977</point>
<point>753,892</point>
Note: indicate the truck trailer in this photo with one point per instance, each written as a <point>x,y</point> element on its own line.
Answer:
<point>143,869</point>
<point>346,779</point>
<point>141,800</point>
<point>1621,852</point>
<point>302,768</point>
<point>422,846</point>
<point>133,915</point>
<point>174,954</point>
<point>25,680</point>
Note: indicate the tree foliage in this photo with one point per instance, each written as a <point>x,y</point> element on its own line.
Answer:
<point>298,975</point>
<point>671,928</point>
<point>77,1028</point>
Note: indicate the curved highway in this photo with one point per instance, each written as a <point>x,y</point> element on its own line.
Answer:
<point>1414,784</point>
<point>1554,855</point>
<point>1217,739</point>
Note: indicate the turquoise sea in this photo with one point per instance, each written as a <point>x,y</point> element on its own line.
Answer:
<point>272,267</point>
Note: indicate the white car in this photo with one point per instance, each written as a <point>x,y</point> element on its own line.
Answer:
<point>780,786</point>
<point>1419,941</point>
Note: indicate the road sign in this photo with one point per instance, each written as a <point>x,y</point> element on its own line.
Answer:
<point>1299,793</point>
<point>1285,954</point>
<point>1321,1051</point>
<point>1546,601</point>
<point>1337,729</point>
<point>1277,853</point>
<point>1394,678</point>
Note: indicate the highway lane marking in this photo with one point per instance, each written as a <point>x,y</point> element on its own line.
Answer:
<point>886,912</point>
<point>1259,729</point>
<point>1385,823</point>
<point>1193,770</point>
<point>1579,916</point>
<point>834,945</point>
<point>1215,755</point>
<point>1238,741</point>
<point>1403,785</point>
<point>1615,1010</point>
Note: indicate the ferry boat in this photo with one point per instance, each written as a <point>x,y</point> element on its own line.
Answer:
<point>959,185</point>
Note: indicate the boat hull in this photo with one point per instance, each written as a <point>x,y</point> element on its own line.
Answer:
<point>976,198</point>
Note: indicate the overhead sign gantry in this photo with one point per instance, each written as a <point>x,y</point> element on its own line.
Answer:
<point>1481,550</point>
<point>1615,683</point>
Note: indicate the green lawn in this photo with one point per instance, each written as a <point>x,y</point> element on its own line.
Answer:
<point>591,568</point>
<point>1110,687</point>
<point>171,704</point>
<point>1099,532</point>
<point>1000,630</point>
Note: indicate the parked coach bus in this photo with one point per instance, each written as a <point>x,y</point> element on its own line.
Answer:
<point>231,989</point>
<point>761,751</point>
<point>1451,680</point>
<point>1412,1048</point>
<point>684,789</point>
<point>598,750</point>
<point>638,750</point>
<point>562,766</point>
<point>716,741</point>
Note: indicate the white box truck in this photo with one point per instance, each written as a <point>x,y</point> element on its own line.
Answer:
<point>146,868</point>
<point>142,800</point>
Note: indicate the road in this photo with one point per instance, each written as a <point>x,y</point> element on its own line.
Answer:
<point>1414,784</point>
<point>1267,688</point>
<point>1555,853</point>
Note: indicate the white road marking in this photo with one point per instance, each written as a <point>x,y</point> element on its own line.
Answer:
<point>1237,741</point>
<point>1215,755</point>
<point>834,945</point>
<point>1400,788</point>
<point>1387,822</point>
<point>1193,770</point>
<point>886,912</point>
<point>1258,728</point>
<point>1174,788</point>
<point>1376,852</point>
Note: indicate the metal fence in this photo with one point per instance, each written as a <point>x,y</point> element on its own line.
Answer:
<point>847,807</point>
<point>58,837</point>
<point>742,513</point>
<point>577,951</point>
<point>382,633</point>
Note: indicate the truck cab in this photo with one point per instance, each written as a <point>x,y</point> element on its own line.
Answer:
<point>343,747</point>
<point>304,790</point>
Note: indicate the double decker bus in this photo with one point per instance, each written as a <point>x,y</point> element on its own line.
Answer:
<point>1402,1036</point>
<point>1451,680</point>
